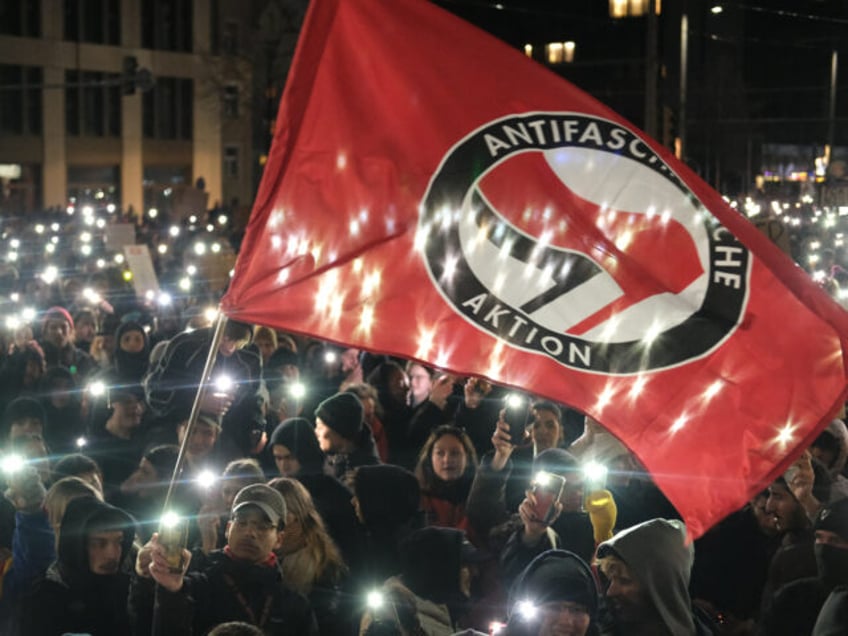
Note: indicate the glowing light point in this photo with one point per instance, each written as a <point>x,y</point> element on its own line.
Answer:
<point>170,519</point>
<point>679,423</point>
<point>119,258</point>
<point>527,610</point>
<point>713,390</point>
<point>174,231</point>
<point>206,479</point>
<point>786,434</point>
<point>297,390</point>
<point>200,248</point>
<point>374,600</point>
<point>97,388</point>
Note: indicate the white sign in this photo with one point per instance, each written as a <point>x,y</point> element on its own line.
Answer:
<point>141,266</point>
<point>116,235</point>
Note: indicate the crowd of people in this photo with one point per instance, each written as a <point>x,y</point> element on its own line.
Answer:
<point>327,490</point>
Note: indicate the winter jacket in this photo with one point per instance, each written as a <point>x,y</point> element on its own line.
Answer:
<point>833,618</point>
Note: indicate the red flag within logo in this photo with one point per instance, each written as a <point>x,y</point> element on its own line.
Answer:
<point>433,194</point>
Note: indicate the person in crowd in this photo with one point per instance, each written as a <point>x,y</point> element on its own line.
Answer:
<point>392,611</point>
<point>445,472</point>
<point>555,594</point>
<point>437,566</point>
<point>297,455</point>
<point>213,516</point>
<point>64,426</point>
<point>85,588</point>
<point>235,398</point>
<point>487,508</point>
<point>797,604</point>
<point>23,416</point>
<point>645,572</point>
<point>392,384</point>
<point>81,466</point>
<point>60,495</point>
<point>200,450</point>
<point>21,372</point>
<point>343,436</point>
<point>831,449</point>
<point>236,628</point>
<point>387,502</point>
<point>144,491</point>
<point>240,582</point>
<point>85,329</point>
<point>57,341</point>
<point>420,382</point>
<point>367,394</point>
<point>311,563</point>
<point>117,448</point>
<point>351,369</point>
<point>103,346</point>
<point>265,343</point>
<point>132,352</point>
<point>794,500</point>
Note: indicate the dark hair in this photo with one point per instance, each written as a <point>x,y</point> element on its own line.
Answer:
<point>548,406</point>
<point>424,468</point>
<point>74,465</point>
<point>828,442</point>
<point>244,469</point>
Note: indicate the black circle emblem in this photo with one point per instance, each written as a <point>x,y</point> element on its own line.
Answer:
<point>530,291</point>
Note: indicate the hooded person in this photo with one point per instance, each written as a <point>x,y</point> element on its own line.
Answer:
<point>86,589</point>
<point>132,351</point>
<point>436,567</point>
<point>645,571</point>
<point>343,435</point>
<point>297,455</point>
<point>387,501</point>
<point>556,593</point>
<point>57,392</point>
<point>831,449</point>
<point>797,604</point>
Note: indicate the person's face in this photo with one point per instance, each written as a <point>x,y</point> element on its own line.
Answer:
<point>563,618</point>
<point>230,488</point>
<point>625,595</point>
<point>369,408</point>
<point>202,440</point>
<point>350,360</point>
<point>545,431</point>
<point>129,409</point>
<point>142,480</point>
<point>132,341</point>
<point>104,551</point>
<point>229,346</point>
<point>291,373</point>
<point>60,396</point>
<point>57,331</point>
<point>25,426</point>
<point>398,385</point>
<point>826,537</point>
<point>85,331</point>
<point>448,458</point>
<point>784,508</point>
<point>419,382</point>
<point>93,479</point>
<point>287,463</point>
<point>328,439</point>
<point>764,520</point>
<point>265,346</point>
<point>251,536</point>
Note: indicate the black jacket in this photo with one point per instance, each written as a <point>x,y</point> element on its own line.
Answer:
<point>70,599</point>
<point>210,596</point>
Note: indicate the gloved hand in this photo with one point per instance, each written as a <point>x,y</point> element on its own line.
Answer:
<point>602,513</point>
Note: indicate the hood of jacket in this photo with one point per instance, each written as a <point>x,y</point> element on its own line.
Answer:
<point>659,556</point>
<point>430,562</point>
<point>82,516</point>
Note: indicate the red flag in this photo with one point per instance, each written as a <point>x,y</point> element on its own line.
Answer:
<point>432,193</point>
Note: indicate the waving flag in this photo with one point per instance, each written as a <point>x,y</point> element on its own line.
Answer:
<point>432,193</point>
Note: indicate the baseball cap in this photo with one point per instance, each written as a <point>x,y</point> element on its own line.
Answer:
<point>268,500</point>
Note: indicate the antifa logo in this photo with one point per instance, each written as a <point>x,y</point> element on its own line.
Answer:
<point>566,235</point>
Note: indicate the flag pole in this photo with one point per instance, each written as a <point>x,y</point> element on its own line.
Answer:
<point>217,336</point>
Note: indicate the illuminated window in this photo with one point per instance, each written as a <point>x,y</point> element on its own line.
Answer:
<point>528,50</point>
<point>559,52</point>
<point>632,8</point>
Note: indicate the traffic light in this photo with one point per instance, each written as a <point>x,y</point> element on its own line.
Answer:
<point>129,75</point>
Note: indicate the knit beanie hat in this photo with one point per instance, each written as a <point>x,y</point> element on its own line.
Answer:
<point>298,435</point>
<point>344,414</point>
<point>22,408</point>
<point>57,313</point>
<point>388,495</point>
<point>834,518</point>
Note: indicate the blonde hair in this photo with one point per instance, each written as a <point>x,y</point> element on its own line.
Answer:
<point>264,332</point>
<point>318,558</point>
<point>61,494</point>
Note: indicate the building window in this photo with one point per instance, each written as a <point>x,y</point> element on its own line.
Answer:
<point>632,8</point>
<point>94,21</point>
<point>20,100</point>
<point>231,101</point>
<point>92,104</point>
<point>559,52</point>
<point>231,161</point>
<point>20,17</point>
<point>230,38</point>
<point>167,109</point>
<point>166,25</point>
